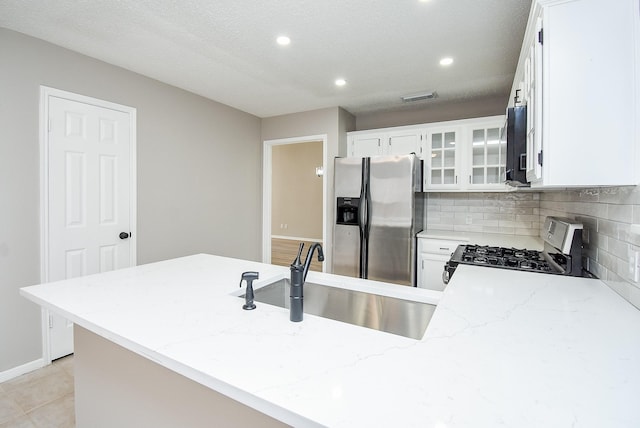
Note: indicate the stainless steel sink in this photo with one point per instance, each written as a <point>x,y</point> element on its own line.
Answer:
<point>392,315</point>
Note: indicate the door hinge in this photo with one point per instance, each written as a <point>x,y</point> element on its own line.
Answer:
<point>50,321</point>
<point>540,37</point>
<point>540,158</point>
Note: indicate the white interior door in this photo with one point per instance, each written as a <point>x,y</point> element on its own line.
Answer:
<point>89,215</point>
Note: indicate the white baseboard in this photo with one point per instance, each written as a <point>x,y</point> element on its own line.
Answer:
<point>296,238</point>
<point>20,370</point>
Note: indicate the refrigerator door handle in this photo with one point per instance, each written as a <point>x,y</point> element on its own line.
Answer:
<point>365,219</point>
<point>365,252</point>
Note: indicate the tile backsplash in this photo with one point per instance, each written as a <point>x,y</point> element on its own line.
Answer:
<point>506,213</point>
<point>610,242</point>
<point>607,213</point>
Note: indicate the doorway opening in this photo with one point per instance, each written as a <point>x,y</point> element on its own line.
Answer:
<point>293,197</point>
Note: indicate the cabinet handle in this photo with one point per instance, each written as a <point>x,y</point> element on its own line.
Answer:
<point>444,248</point>
<point>456,179</point>
<point>469,179</point>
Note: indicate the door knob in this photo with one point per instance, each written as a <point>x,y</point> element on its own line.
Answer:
<point>123,235</point>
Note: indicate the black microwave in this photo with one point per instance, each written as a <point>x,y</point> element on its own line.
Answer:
<point>514,133</point>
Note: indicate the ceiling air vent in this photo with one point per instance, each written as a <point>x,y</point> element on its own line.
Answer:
<point>419,97</point>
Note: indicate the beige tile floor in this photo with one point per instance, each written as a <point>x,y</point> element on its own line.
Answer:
<point>42,398</point>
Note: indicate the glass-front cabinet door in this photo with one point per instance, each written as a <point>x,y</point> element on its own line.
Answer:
<point>488,157</point>
<point>442,159</point>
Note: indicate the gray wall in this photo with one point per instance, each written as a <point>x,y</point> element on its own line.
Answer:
<point>432,111</point>
<point>297,191</point>
<point>199,173</point>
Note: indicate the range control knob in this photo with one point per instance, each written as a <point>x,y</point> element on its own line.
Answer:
<point>446,275</point>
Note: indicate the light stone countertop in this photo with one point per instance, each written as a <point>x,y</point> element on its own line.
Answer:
<point>504,348</point>
<point>493,239</point>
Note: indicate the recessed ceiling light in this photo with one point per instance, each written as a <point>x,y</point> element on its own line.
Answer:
<point>340,82</point>
<point>446,61</point>
<point>283,40</point>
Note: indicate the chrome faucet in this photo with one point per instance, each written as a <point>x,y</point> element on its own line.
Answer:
<point>298,276</point>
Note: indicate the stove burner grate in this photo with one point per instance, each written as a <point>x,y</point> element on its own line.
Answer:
<point>510,258</point>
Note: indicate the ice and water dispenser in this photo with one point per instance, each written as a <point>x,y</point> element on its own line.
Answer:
<point>347,211</point>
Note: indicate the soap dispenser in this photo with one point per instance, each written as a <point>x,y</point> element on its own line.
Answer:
<point>249,277</point>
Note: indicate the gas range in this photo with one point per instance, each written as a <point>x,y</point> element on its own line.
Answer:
<point>562,254</point>
<point>508,258</point>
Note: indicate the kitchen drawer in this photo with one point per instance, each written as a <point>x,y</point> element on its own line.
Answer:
<point>439,246</point>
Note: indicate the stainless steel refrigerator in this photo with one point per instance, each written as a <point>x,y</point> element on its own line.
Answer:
<point>378,214</point>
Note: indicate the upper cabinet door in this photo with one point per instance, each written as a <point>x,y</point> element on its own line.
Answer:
<point>363,146</point>
<point>403,143</point>
<point>590,112</point>
<point>487,157</point>
<point>532,98</point>
<point>442,162</point>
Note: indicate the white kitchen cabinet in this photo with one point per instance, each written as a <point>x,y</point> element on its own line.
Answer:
<point>488,154</point>
<point>532,98</point>
<point>459,155</point>
<point>432,256</point>
<point>466,155</point>
<point>404,142</point>
<point>385,142</point>
<point>365,145</point>
<point>442,166</point>
<point>578,74</point>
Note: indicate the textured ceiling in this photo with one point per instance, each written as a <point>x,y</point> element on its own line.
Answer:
<point>225,50</point>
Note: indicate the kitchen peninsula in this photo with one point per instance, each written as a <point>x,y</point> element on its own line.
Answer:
<point>161,343</point>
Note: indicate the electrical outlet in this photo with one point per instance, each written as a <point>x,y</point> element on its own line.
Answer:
<point>469,219</point>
